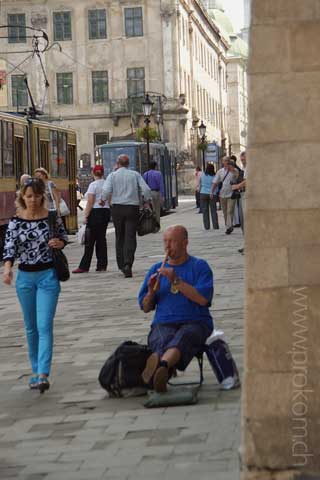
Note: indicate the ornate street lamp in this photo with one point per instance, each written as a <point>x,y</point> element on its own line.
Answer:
<point>147,110</point>
<point>202,131</point>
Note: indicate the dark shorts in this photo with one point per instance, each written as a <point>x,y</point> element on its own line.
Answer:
<point>188,338</point>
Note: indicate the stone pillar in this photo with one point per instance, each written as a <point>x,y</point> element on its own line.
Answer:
<point>280,418</point>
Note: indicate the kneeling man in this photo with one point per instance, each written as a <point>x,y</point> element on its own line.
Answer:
<point>180,290</point>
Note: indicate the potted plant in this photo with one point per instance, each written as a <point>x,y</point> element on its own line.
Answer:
<point>144,133</point>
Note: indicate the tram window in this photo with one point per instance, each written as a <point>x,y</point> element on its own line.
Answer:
<point>110,155</point>
<point>58,154</point>
<point>26,151</point>
<point>54,153</point>
<point>36,147</point>
<point>7,149</point>
<point>62,158</point>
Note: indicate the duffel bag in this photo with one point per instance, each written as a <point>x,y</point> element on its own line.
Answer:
<point>121,373</point>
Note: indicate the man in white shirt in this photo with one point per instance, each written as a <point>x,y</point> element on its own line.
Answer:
<point>126,187</point>
<point>226,177</point>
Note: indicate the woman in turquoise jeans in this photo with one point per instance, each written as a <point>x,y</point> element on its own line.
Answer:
<point>27,241</point>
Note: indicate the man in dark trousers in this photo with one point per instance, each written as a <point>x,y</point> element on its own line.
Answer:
<point>126,189</point>
<point>153,178</point>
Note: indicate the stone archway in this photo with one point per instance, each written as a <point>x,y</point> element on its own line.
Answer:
<point>280,417</point>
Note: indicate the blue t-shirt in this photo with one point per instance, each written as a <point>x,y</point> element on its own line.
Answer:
<point>176,308</point>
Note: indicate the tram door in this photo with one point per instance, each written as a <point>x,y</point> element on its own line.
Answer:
<point>18,159</point>
<point>71,165</point>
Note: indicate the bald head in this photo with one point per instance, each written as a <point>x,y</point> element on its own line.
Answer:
<point>123,160</point>
<point>178,231</point>
<point>175,240</point>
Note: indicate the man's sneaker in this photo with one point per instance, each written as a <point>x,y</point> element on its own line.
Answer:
<point>79,270</point>
<point>241,250</point>
<point>229,230</point>
<point>230,383</point>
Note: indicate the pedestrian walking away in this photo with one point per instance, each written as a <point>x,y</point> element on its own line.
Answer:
<point>180,290</point>
<point>154,180</point>
<point>208,202</point>
<point>96,218</point>
<point>197,175</point>
<point>37,284</point>
<point>127,190</point>
<point>224,178</point>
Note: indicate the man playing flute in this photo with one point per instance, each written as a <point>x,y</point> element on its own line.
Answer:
<point>180,290</point>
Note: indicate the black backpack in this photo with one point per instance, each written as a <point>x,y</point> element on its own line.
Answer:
<point>122,370</point>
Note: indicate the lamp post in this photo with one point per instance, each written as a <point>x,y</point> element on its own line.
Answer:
<point>202,131</point>
<point>147,109</point>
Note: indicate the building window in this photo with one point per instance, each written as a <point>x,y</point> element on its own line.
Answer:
<point>97,24</point>
<point>100,138</point>
<point>16,28</point>
<point>62,26</point>
<point>65,88</point>
<point>19,91</point>
<point>133,22</point>
<point>99,86</point>
<point>135,82</point>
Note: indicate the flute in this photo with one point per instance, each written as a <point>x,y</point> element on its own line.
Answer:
<point>156,285</point>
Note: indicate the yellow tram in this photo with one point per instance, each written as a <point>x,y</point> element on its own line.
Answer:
<point>26,144</point>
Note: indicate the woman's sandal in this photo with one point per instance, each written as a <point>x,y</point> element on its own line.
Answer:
<point>43,384</point>
<point>33,382</point>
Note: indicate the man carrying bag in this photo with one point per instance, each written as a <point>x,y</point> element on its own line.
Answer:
<point>126,188</point>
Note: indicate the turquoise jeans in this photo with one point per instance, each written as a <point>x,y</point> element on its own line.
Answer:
<point>38,294</point>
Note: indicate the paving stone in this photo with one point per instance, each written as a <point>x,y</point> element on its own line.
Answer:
<point>80,432</point>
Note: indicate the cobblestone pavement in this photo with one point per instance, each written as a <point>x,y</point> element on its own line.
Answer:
<point>75,431</point>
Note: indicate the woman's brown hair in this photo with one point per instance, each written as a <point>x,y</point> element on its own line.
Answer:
<point>38,187</point>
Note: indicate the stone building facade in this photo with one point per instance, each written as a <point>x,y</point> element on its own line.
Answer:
<point>237,56</point>
<point>106,54</point>
<point>280,418</point>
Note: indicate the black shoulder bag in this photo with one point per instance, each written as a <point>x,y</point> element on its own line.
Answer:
<point>59,259</point>
<point>147,222</point>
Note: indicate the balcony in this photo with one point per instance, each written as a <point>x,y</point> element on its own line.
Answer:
<point>126,106</point>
